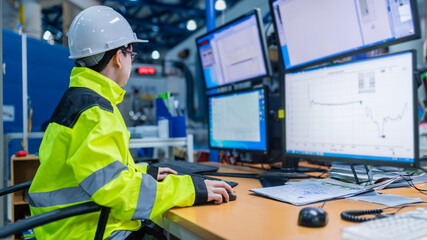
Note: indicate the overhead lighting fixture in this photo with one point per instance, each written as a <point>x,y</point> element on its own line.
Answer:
<point>220,5</point>
<point>191,25</point>
<point>47,35</point>
<point>155,54</point>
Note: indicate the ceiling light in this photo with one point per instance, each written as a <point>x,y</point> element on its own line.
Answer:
<point>47,35</point>
<point>220,5</point>
<point>155,54</point>
<point>191,25</point>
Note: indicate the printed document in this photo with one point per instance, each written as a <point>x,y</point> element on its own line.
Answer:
<point>310,191</point>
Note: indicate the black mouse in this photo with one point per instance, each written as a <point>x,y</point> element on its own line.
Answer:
<point>312,217</point>
<point>231,197</point>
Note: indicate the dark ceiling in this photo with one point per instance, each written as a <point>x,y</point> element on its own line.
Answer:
<point>162,22</point>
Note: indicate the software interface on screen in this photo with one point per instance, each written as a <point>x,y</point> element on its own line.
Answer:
<point>238,121</point>
<point>360,110</point>
<point>232,53</point>
<point>312,30</point>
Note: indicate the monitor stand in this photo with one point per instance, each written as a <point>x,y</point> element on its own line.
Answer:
<point>290,169</point>
<point>368,169</point>
<point>291,173</point>
<point>303,169</point>
<point>294,163</point>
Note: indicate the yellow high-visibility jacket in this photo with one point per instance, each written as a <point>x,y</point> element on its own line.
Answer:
<point>84,156</point>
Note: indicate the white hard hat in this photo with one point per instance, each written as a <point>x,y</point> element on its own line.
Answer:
<point>98,29</point>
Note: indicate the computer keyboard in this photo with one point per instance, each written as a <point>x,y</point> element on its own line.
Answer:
<point>231,183</point>
<point>187,167</point>
<point>409,225</point>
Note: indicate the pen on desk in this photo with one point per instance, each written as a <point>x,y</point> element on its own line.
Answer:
<point>322,174</point>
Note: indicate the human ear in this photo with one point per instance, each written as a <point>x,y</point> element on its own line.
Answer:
<point>117,61</point>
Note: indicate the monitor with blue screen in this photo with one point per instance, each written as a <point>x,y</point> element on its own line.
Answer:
<point>362,112</point>
<point>312,31</point>
<point>238,120</point>
<point>234,52</point>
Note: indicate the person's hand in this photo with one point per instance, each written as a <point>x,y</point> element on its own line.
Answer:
<point>163,172</point>
<point>216,190</point>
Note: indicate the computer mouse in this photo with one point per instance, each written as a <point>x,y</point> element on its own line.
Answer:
<point>312,217</point>
<point>231,197</point>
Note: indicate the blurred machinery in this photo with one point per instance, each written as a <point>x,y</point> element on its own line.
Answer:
<point>142,109</point>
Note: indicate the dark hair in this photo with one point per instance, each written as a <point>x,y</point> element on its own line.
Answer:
<point>102,64</point>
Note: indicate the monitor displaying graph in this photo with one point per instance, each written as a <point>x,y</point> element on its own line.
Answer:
<point>312,31</point>
<point>234,52</point>
<point>363,111</point>
<point>238,120</point>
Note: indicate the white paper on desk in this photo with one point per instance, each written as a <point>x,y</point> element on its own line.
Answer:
<point>389,200</point>
<point>400,182</point>
<point>310,191</point>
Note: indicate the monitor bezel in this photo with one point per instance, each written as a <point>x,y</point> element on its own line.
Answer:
<point>360,160</point>
<point>267,127</point>
<point>416,35</point>
<point>264,49</point>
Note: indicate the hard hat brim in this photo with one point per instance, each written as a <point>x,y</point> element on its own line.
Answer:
<point>94,53</point>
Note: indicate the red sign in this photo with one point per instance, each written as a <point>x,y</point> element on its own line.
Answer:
<point>204,42</point>
<point>147,70</point>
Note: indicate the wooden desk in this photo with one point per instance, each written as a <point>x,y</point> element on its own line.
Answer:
<point>256,217</point>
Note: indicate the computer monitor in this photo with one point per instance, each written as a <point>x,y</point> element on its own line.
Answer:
<point>310,32</point>
<point>362,112</point>
<point>234,52</point>
<point>238,120</point>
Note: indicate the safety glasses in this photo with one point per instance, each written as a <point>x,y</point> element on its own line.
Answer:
<point>132,55</point>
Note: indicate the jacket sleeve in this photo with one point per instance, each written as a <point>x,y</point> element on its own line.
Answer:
<point>99,157</point>
<point>148,169</point>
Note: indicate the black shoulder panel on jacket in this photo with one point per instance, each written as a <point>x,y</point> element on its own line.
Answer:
<point>74,102</point>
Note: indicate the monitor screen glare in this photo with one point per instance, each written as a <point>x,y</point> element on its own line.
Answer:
<point>362,111</point>
<point>233,53</point>
<point>238,121</point>
<point>311,31</point>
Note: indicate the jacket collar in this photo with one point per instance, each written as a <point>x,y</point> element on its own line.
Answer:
<point>104,86</point>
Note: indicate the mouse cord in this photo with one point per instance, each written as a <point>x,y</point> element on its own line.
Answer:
<point>404,206</point>
<point>323,204</point>
<point>323,173</point>
<point>408,179</point>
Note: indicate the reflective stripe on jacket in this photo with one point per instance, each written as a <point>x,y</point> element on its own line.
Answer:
<point>84,156</point>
